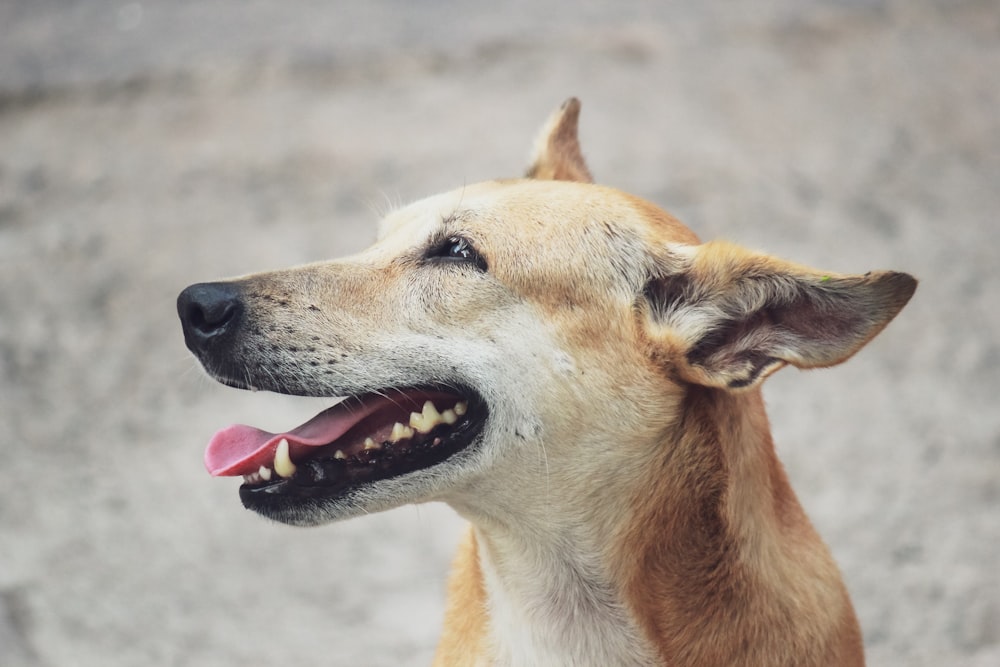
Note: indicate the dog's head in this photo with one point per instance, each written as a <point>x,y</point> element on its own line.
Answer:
<point>503,332</point>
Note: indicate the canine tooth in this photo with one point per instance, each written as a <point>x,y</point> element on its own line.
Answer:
<point>461,408</point>
<point>339,454</point>
<point>264,473</point>
<point>282,461</point>
<point>449,417</point>
<point>371,444</point>
<point>400,432</point>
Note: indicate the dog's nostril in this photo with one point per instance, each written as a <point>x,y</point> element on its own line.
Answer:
<point>209,309</point>
<point>212,317</point>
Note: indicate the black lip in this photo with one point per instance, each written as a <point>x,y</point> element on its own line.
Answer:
<point>332,479</point>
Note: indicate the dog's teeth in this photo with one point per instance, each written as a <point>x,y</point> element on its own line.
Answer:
<point>252,478</point>
<point>431,412</point>
<point>371,444</point>
<point>282,461</point>
<point>400,432</point>
<point>339,454</point>
<point>416,420</point>
<point>425,421</point>
<point>437,441</point>
<point>264,473</point>
<point>461,408</point>
<point>449,417</point>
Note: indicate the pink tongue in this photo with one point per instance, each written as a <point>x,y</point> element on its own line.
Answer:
<point>242,450</point>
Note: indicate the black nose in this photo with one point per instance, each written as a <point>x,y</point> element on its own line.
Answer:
<point>210,314</point>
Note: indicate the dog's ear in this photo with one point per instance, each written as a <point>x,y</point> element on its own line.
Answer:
<point>557,155</point>
<point>722,316</point>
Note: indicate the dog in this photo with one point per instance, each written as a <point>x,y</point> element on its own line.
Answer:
<point>577,375</point>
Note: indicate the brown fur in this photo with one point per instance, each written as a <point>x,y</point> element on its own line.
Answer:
<point>722,565</point>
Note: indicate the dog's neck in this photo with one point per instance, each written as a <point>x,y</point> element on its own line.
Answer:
<point>553,604</point>
<point>702,531</point>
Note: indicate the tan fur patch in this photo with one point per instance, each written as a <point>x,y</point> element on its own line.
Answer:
<point>465,621</point>
<point>557,150</point>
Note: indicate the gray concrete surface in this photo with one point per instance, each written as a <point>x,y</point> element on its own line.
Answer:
<point>144,146</point>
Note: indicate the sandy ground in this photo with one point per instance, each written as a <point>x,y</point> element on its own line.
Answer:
<point>144,147</point>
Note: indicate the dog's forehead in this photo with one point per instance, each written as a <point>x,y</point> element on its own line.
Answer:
<point>426,216</point>
<point>523,209</point>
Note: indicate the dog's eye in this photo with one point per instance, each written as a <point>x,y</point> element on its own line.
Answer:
<point>458,249</point>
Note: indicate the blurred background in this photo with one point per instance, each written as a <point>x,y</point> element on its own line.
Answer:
<point>145,146</point>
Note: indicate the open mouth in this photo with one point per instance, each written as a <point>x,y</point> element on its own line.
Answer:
<point>358,441</point>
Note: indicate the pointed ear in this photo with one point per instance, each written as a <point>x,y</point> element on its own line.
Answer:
<point>725,317</point>
<point>557,148</point>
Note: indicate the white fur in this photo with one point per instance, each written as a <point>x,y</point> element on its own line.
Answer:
<point>548,609</point>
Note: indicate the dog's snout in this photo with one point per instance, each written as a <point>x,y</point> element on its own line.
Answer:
<point>209,312</point>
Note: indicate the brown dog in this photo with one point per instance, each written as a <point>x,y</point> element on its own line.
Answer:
<point>572,371</point>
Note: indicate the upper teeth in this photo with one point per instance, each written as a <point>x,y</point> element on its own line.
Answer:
<point>425,421</point>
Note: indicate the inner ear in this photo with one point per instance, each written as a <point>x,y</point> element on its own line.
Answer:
<point>741,348</point>
<point>731,317</point>
<point>557,154</point>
